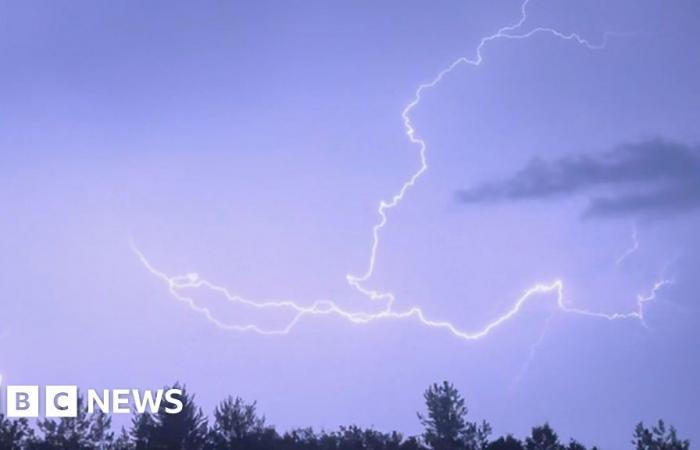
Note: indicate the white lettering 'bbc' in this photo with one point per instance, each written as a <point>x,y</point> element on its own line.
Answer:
<point>22,401</point>
<point>61,401</point>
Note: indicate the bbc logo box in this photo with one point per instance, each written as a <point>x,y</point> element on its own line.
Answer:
<point>58,401</point>
<point>63,401</point>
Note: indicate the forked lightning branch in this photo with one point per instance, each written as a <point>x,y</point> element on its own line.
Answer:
<point>551,291</point>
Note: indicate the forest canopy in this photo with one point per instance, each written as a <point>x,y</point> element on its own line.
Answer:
<point>237,424</point>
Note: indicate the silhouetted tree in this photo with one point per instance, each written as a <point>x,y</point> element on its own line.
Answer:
<point>142,431</point>
<point>505,443</point>
<point>83,432</point>
<point>186,430</point>
<point>301,438</point>
<point>346,438</point>
<point>446,427</point>
<point>123,441</point>
<point>658,438</point>
<point>575,445</point>
<point>543,438</point>
<point>237,426</point>
<point>355,438</point>
<point>15,434</point>
<point>411,443</point>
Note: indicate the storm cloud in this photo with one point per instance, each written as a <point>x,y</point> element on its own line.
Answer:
<point>655,177</point>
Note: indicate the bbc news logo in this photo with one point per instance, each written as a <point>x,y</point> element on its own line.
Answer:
<point>63,401</point>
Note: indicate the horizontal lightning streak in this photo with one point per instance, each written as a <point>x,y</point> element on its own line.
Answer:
<point>177,284</point>
<point>327,307</point>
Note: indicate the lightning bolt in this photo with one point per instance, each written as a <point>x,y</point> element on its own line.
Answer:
<point>631,249</point>
<point>531,355</point>
<point>192,281</point>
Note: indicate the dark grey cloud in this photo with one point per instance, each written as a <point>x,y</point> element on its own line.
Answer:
<point>654,177</point>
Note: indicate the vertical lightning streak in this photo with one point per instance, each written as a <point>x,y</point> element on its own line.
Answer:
<point>531,355</point>
<point>384,206</point>
<point>631,249</point>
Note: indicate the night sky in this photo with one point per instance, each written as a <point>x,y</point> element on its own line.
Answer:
<point>249,144</point>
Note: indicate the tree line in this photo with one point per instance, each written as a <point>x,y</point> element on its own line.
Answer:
<point>237,425</point>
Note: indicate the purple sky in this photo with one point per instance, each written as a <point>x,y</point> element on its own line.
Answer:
<point>251,142</point>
